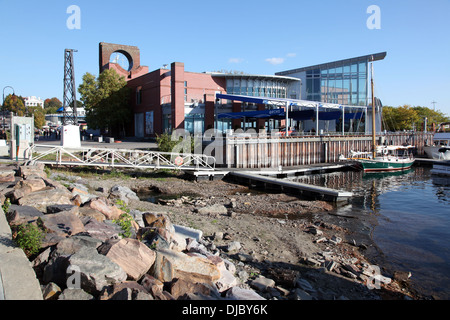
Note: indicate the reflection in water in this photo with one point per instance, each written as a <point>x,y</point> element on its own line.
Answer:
<point>410,219</point>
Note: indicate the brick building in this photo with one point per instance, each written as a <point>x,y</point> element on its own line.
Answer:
<point>173,98</point>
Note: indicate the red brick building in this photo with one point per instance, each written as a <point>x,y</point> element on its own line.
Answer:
<point>173,98</point>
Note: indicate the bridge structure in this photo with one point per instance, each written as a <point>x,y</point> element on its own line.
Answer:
<point>118,158</point>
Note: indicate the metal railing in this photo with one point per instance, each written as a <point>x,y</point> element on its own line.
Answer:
<point>118,158</point>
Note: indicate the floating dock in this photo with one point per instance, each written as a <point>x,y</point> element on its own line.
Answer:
<point>296,188</point>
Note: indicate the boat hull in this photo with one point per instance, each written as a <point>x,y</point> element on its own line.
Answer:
<point>369,165</point>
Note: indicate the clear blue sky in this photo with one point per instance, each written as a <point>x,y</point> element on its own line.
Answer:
<point>245,35</point>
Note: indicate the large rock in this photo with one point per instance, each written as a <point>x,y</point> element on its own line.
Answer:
<point>122,193</point>
<point>22,214</point>
<point>41,199</point>
<point>238,293</point>
<point>197,266</point>
<point>134,257</point>
<point>88,212</point>
<point>111,212</point>
<point>102,231</point>
<point>214,210</point>
<point>63,224</point>
<point>162,269</point>
<point>96,271</point>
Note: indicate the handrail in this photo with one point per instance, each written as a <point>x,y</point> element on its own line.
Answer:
<point>120,158</point>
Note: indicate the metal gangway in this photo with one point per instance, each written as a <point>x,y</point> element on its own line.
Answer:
<point>118,158</point>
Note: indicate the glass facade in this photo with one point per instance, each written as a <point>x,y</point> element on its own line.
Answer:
<point>340,83</point>
<point>257,87</point>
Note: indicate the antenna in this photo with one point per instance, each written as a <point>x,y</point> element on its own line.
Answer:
<point>434,105</point>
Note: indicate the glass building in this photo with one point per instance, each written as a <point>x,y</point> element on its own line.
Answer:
<point>343,82</point>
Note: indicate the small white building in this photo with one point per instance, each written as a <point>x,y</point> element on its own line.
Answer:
<point>33,102</point>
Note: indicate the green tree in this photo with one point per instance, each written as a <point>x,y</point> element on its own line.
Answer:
<point>106,101</point>
<point>15,104</point>
<point>39,116</point>
<point>433,116</point>
<point>52,105</point>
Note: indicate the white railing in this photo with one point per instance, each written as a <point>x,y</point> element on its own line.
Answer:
<point>119,158</point>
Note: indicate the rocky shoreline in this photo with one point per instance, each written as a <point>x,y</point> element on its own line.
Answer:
<point>210,240</point>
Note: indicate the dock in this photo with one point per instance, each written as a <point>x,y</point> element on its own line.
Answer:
<point>291,187</point>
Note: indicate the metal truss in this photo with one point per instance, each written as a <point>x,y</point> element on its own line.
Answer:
<point>119,158</point>
<point>70,96</point>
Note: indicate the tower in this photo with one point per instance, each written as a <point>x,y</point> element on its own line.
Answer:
<point>70,96</point>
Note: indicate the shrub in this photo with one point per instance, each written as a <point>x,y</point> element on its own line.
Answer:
<point>29,238</point>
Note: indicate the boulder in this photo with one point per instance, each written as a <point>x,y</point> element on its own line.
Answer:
<point>238,293</point>
<point>41,199</point>
<point>89,212</point>
<point>95,270</point>
<point>128,290</point>
<point>75,294</point>
<point>162,268</point>
<point>51,291</point>
<point>63,224</point>
<point>134,257</point>
<point>214,210</point>
<point>101,231</point>
<point>179,287</point>
<point>55,208</point>
<point>194,265</point>
<point>22,214</point>
<point>33,184</point>
<point>262,283</point>
<point>122,193</point>
<point>110,212</point>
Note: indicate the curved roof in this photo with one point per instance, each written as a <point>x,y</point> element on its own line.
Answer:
<point>253,76</point>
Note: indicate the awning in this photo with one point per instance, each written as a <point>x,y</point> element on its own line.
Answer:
<point>269,113</point>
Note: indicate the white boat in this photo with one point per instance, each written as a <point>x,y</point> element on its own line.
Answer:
<point>440,148</point>
<point>441,168</point>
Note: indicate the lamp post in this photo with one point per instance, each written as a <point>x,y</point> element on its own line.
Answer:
<point>3,105</point>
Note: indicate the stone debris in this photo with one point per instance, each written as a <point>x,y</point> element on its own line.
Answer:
<point>85,254</point>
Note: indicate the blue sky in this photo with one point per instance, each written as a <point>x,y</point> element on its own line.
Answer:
<point>258,37</point>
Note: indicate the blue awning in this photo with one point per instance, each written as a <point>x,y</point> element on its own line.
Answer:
<point>269,113</point>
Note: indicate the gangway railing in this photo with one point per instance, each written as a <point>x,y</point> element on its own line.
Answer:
<point>118,158</point>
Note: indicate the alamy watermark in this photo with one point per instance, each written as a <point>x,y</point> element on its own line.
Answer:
<point>374,20</point>
<point>73,22</point>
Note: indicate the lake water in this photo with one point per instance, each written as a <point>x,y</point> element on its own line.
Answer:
<point>407,216</point>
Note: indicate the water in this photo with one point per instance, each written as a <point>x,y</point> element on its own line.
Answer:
<point>407,215</point>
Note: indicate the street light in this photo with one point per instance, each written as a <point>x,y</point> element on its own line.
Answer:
<point>3,105</point>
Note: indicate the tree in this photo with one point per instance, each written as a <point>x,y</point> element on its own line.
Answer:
<point>52,105</point>
<point>15,104</point>
<point>39,116</point>
<point>106,101</point>
<point>406,117</point>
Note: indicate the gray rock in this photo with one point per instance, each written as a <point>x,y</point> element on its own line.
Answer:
<point>95,270</point>
<point>101,231</point>
<point>216,209</point>
<point>55,208</point>
<point>63,224</point>
<point>75,294</point>
<point>238,293</point>
<point>122,193</point>
<point>261,283</point>
<point>233,246</point>
<point>41,199</point>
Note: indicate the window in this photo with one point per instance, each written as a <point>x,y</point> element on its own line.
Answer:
<point>139,95</point>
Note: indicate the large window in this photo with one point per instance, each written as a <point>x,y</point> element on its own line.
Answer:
<point>341,84</point>
<point>194,122</point>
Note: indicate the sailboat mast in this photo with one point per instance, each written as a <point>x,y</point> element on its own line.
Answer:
<point>374,130</point>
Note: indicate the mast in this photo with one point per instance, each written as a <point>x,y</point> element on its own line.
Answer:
<point>374,130</point>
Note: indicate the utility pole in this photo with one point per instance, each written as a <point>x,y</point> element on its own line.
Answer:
<point>70,91</point>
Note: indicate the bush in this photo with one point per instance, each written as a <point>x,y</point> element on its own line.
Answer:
<point>166,144</point>
<point>29,238</point>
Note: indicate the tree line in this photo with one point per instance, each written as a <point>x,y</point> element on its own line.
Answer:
<point>408,118</point>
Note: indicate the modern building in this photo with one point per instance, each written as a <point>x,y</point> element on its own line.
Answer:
<point>33,102</point>
<point>173,98</point>
<point>343,82</point>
